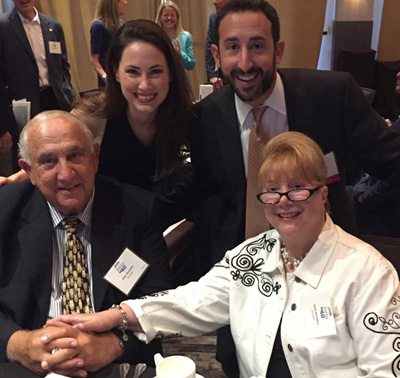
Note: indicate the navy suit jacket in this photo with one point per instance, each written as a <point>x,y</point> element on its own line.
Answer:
<point>123,216</point>
<point>19,66</point>
<point>327,106</point>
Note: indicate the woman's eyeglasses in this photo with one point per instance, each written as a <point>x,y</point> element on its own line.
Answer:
<point>294,195</point>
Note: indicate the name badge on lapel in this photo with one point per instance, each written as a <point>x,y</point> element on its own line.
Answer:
<point>332,169</point>
<point>126,271</point>
<point>54,47</point>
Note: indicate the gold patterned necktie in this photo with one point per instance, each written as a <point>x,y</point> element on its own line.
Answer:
<point>75,285</point>
<point>255,216</point>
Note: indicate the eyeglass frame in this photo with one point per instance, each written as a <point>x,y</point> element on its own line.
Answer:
<point>286,194</point>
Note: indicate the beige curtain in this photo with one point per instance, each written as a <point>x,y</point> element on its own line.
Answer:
<point>389,46</point>
<point>301,23</point>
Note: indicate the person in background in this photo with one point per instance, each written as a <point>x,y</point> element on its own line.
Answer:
<point>33,58</point>
<point>211,67</point>
<point>107,21</point>
<point>8,133</point>
<point>90,110</point>
<point>304,300</point>
<point>41,278</point>
<point>376,202</point>
<point>169,18</point>
<point>396,123</point>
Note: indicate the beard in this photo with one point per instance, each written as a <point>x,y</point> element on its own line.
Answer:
<point>251,93</point>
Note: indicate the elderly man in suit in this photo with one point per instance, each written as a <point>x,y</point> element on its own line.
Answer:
<point>327,106</point>
<point>34,58</point>
<point>58,154</point>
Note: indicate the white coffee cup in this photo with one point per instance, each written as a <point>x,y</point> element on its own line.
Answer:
<point>175,367</point>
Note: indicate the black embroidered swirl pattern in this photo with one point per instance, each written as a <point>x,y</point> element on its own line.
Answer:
<point>247,268</point>
<point>156,295</point>
<point>378,324</point>
<point>395,301</point>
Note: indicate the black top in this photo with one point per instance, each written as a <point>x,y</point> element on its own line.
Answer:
<point>124,157</point>
<point>278,367</point>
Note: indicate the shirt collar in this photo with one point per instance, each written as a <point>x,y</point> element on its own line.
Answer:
<point>85,216</point>
<point>312,267</point>
<point>26,21</point>
<point>275,101</point>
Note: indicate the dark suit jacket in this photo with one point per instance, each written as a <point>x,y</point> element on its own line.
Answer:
<point>210,62</point>
<point>7,120</point>
<point>327,106</point>
<point>19,65</point>
<point>123,216</point>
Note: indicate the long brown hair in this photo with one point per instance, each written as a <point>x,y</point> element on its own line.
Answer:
<point>106,11</point>
<point>172,115</point>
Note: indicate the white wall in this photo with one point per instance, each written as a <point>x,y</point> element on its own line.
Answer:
<point>349,10</point>
<point>378,9</point>
<point>325,54</point>
<point>355,10</point>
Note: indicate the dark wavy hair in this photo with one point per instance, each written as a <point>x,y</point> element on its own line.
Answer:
<point>172,115</point>
<point>237,6</point>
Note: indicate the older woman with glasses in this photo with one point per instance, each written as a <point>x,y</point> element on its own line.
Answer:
<point>305,299</point>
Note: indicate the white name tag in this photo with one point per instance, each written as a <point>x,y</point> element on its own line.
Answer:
<point>54,47</point>
<point>319,316</point>
<point>126,271</point>
<point>333,172</point>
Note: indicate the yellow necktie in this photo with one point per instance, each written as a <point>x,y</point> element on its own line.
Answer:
<point>76,283</point>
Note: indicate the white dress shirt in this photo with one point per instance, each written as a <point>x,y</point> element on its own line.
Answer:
<point>274,119</point>
<point>34,33</point>
<point>249,290</point>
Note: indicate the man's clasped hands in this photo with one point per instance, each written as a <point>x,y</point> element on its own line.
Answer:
<point>63,349</point>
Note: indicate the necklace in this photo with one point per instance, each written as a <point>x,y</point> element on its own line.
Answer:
<point>286,259</point>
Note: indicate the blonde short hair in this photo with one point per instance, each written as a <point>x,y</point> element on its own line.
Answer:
<point>293,154</point>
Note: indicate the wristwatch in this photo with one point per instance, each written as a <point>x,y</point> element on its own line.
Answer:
<point>104,76</point>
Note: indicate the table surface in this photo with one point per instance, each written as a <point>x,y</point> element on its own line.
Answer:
<point>13,370</point>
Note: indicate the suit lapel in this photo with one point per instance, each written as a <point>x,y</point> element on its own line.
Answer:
<point>228,137</point>
<point>37,249</point>
<point>19,30</point>
<point>299,106</point>
<point>107,239</point>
